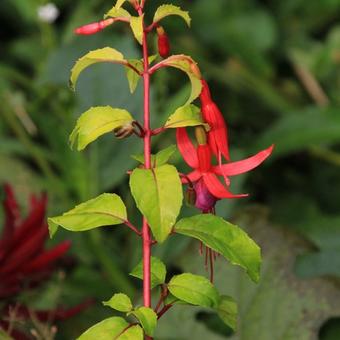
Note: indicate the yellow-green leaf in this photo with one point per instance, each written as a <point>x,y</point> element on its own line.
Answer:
<point>158,271</point>
<point>117,12</point>
<point>158,195</point>
<point>148,319</point>
<point>227,311</point>
<point>97,121</point>
<point>132,333</point>
<point>160,158</point>
<point>189,66</point>
<point>132,76</point>
<point>119,3</point>
<point>194,289</point>
<point>120,302</point>
<point>225,238</point>
<point>106,54</point>
<point>107,329</point>
<point>136,24</point>
<point>106,209</point>
<point>188,115</point>
<point>166,10</point>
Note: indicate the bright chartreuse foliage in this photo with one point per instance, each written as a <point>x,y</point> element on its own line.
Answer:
<point>136,24</point>
<point>106,54</point>
<point>106,209</point>
<point>187,65</point>
<point>116,12</point>
<point>132,76</point>
<point>194,289</point>
<point>160,158</point>
<point>158,204</point>
<point>107,329</point>
<point>188,115</point>
<point>120,302</point>
<point>158,271</point>
<point>227,311</point>
<point>225,238</point>
<point>167,10</point>
<point>97,121</point>
<point>120,3</point>
<point>133,333</point>
<point>148,319</point>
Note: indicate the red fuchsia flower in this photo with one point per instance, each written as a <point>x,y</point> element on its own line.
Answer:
<point>94,27</point>
<point>24,261</point>
<point>208,187</point>
<point>163,43</point>
<point>217,136</point>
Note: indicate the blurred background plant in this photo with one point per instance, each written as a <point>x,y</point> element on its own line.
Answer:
<point>274,70</point>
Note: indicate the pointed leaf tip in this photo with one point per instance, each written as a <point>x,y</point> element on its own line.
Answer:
<point>167,10</point>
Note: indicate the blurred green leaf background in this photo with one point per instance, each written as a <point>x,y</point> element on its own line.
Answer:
<point>274,68</point>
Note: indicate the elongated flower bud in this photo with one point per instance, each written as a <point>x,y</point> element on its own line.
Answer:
<point>163,43</point>
<point>94,27</point>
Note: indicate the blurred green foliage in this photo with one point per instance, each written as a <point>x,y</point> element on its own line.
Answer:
<point>274,70</point>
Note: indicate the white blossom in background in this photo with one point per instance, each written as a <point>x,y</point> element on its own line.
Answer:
<point>48,13</point>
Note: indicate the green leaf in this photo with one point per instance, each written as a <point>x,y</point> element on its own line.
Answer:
<point>117,12</point>
<point>194,289</point>
<point>105,330</point>
<point>225,238</point>
<point>189,66</point>
<point>136,24</point>
<point>227,311</point>
<point>96,122</point>
<point>119,3</point>
<point>106,209</point>
<point>106,54</point>
<point>132,333</point>
<point>160,158</point>
<point>120,302</point>
<point>166,10</point>
<point>158,195</point>
<point>148,319</point>
<point>158,271</point>
<point>132,76</point>
<point>188,115</point>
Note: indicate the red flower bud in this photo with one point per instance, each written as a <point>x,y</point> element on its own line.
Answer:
<point>94,27</point>
<point>163,43</point>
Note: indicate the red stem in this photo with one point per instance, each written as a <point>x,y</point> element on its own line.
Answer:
<point>147,156</point>
<point>163,311</point>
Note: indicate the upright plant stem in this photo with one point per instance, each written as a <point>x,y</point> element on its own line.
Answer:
<point>147,157</point>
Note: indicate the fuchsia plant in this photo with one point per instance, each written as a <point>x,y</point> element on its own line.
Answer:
<point>156,186</point>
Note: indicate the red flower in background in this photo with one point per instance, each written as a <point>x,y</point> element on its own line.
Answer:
<point>205,174</point>
<point>24,261</point>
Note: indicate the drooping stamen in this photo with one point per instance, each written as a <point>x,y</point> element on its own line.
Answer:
<point>211,257</point>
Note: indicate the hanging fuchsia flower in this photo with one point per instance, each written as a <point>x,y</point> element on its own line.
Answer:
<point>163,42</point>
<point>208,187</point>
<point>217,136</point>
